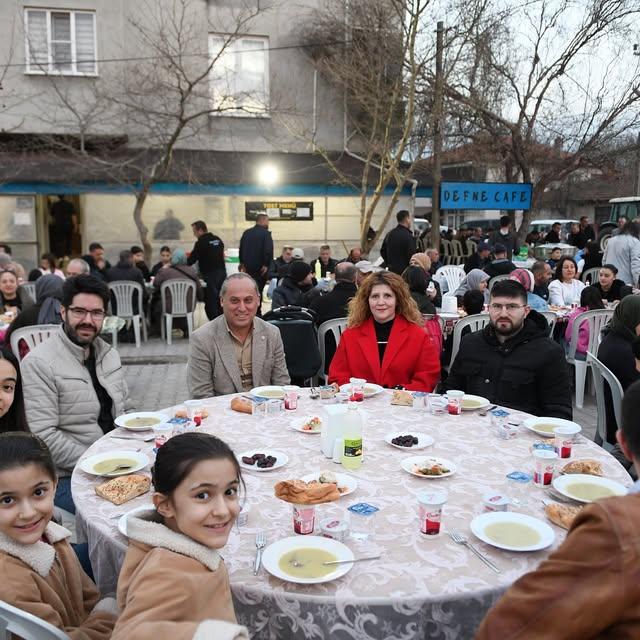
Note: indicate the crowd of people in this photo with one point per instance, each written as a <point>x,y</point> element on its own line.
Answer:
<point>66,392</point>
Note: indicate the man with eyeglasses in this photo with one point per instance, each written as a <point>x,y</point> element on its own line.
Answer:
<point>73,382</point>
<point>512,362</point>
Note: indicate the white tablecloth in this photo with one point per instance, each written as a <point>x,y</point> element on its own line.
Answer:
<point>425,587</point>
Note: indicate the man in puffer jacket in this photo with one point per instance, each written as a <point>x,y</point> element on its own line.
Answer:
<point>512,362</point>
<point>73,382</point>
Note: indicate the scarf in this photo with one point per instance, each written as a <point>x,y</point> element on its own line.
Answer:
<point>472,282</point>
<point>48,295</point>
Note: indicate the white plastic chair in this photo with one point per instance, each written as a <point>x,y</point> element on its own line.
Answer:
<point>596,321</point>
<point>179,289</point>
<point>30,288</point>
<point>123,291</point>
<point>590,275</point>
<point>26,625</point>
<point>492,281</point>
<point>552,318</point>
<point>600,375</point>
<point>33,336</point>
<point>475,322</point>
<point>336,327</point>
<point>451,275</point>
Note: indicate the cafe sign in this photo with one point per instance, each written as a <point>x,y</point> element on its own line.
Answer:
<point>279,210</point>
<point>485,195</point>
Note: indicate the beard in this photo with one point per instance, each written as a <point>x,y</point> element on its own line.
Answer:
<point>82,341</point>
<point>507,327</point>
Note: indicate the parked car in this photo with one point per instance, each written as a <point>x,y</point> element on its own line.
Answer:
<point>544,226</point>
<point>487,225</point>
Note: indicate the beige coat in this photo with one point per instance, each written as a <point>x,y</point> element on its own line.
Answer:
<point>172,587</point>
<point>61,404</point>
<point>589,588</point>
<point>213,369</point>
<point>46,580</point>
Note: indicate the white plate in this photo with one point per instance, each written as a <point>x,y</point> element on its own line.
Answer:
<point>122,420</point>
<point>531,423</point>
<point>483,403</point>
<point>561,484</point>
<point>273,553</point>
<point>370,389</point>
<point>480,523</point>
<point>344,480</point>
<point>298,423</point>
<point>408,464</point>
<point>263,392</point>
<point>88,464</point>
<point>424,440</point>
<point>122,521</point>
<point>281,459</point>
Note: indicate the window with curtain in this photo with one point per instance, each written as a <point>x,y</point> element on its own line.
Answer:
<point>61,42</point>
<point>240,75</point>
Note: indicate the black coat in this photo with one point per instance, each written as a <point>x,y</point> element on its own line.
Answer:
<point>397,248</point>
<point>334,304</point>
<point>287,293</point>
<point>527,372</point>
<point>614,293</point>
<point>256,249</point>
<point>425,305</point>
<point>208,252</point>
<point>329,267</point>
<point>510,241</point>
<point>499,268</point>
<point>474,261</point>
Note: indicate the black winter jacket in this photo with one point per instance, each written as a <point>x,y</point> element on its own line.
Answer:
<point>287,293</point>
<point>398,247</point>
<point>208,252</point>
<point>334,304</point>
<point>256,249</point>
<point>528,372</point>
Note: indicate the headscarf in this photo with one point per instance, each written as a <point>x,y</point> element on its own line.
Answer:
<point>421,260</point>
<point>49,295</point>
<point>178,257</point>
<point>472,281</point>
<point>626,318</point>
<point>524,277</point>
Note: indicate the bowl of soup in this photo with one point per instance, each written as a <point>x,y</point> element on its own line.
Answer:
<point>545,426</point>
<point>587,488</point>
<point>141,420</point>
<point>512,531</point>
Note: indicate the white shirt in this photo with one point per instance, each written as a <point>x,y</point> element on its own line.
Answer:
<point>565,293</point>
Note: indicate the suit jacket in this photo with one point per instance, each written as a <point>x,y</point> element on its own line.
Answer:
<point>410,359</point>
<point>587,589</point>
<point>212,369</point>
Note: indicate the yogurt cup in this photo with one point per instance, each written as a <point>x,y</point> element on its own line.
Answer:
<point>494,501</point>
<point>335,528</point>
<point>430,506</point>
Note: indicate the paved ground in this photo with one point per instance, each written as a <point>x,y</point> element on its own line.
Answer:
<point>156,375</point>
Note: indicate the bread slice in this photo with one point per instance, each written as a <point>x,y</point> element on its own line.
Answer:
<point>301,492</point>
<point>562,514</point>
<point>125,488</point>
<point>591,467</point>
<point>402,398</point>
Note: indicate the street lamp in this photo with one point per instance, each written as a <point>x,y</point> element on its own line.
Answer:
<point>268,175</point>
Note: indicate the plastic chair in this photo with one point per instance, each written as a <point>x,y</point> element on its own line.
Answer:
<point>179,289</point>
<point>600,375</point>
<point>552,318</point>
<point>476,322</point>
<point>590,275</point>
<point>596,320</point>
<point>472,247</point>
<point>446,251</point>
<point>336,327</point>
<point>33,336</point>
<point>492,281</point>
<point>458,252</point>
<point>124,293</point>
<point>26,625</point>
<point>451,275</point>
<point>30,288</point>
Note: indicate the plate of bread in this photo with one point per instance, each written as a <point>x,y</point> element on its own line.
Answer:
<point>125,488</point>
<point>346,484</point>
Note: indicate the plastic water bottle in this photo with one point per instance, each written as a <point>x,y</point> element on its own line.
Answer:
<point>352,435</point>
<point>318,270</point>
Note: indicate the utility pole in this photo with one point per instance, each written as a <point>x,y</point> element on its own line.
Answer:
<point>437,138</point>
<point>636,179</point>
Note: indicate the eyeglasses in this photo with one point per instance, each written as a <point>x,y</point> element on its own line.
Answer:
<point>510,307</point>
<point>80,313</point>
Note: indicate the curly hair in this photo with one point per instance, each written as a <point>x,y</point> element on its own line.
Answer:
<point>359,310</point>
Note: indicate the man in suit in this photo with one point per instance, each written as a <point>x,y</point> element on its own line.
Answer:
<point>589,587</point>
<point>236,351</point>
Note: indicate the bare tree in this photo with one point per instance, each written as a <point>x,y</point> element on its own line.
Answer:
<point>539,87</point>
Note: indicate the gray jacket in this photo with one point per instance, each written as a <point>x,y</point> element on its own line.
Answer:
<point>623,251</point>
<point>213,369</point>
<point>61,404</point>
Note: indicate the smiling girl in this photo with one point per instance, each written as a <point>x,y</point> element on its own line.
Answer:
<point>40,571</point>
<point>174,583</point>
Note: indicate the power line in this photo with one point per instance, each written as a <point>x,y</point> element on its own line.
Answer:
<point>187,55</point>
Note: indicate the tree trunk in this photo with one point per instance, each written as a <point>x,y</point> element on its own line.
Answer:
<point>143,230</point>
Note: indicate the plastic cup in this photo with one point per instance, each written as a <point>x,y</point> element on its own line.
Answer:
<point>362,521</point>
<point>290,397</point>
<point>544,465</point>
<point>161,433</point>
<point>437,404</point>
<point>454,402</point>
<point>563,441</point>
<point>194,410</point>
<point>357,389</point>
<point>430,505</point>
<point>304,516</point>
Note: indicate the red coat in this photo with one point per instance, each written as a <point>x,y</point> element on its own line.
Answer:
<point>410,358</point>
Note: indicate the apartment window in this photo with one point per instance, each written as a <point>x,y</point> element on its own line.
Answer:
<point>240,75</point>
<point>60,42</point>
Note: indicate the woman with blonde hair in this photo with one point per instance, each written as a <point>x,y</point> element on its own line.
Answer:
<point>385,341</point>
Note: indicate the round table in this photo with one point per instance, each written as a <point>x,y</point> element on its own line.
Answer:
<point>423,586</point>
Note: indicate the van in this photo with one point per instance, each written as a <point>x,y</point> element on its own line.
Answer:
<point>544,226</point>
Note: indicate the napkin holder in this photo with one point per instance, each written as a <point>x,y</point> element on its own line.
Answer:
<point>332,427</point>
<point>449,303</point>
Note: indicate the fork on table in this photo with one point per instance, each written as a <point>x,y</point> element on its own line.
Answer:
<point>261,541</point>
<point>460,538</point>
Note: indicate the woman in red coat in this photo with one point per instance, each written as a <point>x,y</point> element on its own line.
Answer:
<point>385,342</point>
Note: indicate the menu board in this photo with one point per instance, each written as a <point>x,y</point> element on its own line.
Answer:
<point>279,210</point>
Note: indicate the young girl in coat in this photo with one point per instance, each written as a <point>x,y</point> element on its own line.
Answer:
<point>173,583</point>
<point>590,299</point>
<point>40,571</point>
